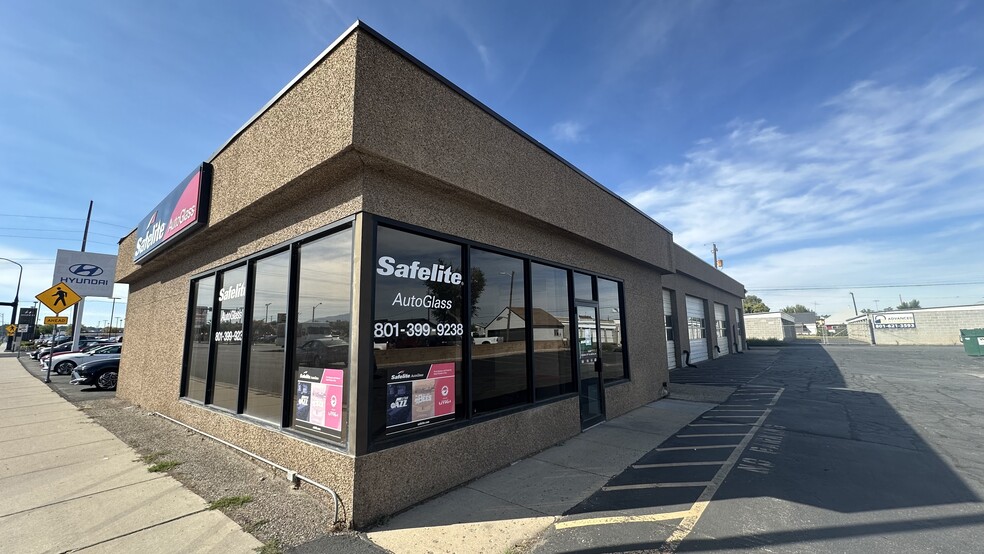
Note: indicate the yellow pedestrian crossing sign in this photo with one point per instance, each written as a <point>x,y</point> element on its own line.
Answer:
<point>59,297</point>
<point>11,330</point>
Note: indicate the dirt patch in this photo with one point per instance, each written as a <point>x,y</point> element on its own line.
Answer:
<point>276,514</point>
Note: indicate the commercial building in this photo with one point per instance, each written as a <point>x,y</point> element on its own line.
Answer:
<point>384,286</point>
<point>925,326</point>
<point>771,326</point>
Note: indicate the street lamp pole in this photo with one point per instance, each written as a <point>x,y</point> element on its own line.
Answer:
<point>855,304</point>
<point>314,308</point>
<point>13,316</point>
<point>266,313</point>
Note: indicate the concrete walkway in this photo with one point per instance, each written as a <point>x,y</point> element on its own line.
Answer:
<point>67,484</point>
<point>519,502</point>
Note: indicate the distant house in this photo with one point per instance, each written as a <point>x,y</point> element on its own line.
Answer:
<point>512,322</point>
<point>805,323</point>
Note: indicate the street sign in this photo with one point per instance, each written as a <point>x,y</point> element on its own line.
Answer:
<point>22,328</point>
<point>59,297</point>
<point>56,320</point>
<point>11,330</point>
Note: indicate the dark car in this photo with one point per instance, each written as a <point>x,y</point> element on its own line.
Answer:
<point>323,353</point>
<point>100,373</point>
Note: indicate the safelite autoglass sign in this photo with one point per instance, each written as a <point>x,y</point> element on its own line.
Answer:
<point>180,213</point>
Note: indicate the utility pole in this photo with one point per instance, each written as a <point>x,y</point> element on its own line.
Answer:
<point>77,309</point>
<point>855,304</point>
<point>714,250</point>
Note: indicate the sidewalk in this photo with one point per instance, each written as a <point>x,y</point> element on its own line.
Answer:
<point>518,503</point>
<point>67,484</point>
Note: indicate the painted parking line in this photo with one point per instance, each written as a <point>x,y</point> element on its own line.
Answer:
<point>689,518</point>
<point>621,519</point>
<point>699,435</point>
<point>675,464</point>
<point>639,486</point>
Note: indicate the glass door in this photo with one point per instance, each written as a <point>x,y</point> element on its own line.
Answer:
<point>589,366</point>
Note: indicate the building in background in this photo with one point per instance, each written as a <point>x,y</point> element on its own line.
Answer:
<point>770,326</point>
<point>924,326</point>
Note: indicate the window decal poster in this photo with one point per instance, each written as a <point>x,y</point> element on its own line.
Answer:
<point>415,399</point>
<point>320,401</point>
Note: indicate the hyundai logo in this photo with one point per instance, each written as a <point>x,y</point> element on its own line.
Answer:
<point>86,270</point>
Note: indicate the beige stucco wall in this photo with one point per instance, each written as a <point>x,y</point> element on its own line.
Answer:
<point>405,115</point>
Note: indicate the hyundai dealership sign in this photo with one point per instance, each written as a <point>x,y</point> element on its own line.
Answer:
<point>180,213</point>
<point>86,273</point>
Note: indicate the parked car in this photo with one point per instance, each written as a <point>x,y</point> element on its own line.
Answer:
<point>64,365</point>
<point>323,353</point>
<point>46,349</point>
<point>66,348</point>
<point>100,373</point>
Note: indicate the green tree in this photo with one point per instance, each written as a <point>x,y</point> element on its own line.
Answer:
<point>753,304</point>
<point>797,309</point>
<point>910,305</point>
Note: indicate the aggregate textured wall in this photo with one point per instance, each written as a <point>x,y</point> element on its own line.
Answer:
<point>404,114</point>
<point>695,277</point>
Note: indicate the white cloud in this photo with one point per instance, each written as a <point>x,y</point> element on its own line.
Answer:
<point>875,191</point>
<point>568,131</point>
<point>884,157</point>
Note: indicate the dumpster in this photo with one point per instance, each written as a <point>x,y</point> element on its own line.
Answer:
<point>973,341</point>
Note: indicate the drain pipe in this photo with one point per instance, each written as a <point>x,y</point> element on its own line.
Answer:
<point>292,475</point>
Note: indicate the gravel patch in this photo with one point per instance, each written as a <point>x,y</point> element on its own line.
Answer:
<point>268,506</point>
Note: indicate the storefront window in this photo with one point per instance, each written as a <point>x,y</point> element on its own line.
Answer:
<point>418,328</point>
<point>323,326</point>
<point>264,397</point>
<point>199,339</point>
<point>550,316</point>
<point>498,329</point>
<point>612,333</point>
<point>582,286</point>
<point>229,338</point>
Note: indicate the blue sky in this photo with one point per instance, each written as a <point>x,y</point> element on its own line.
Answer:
<point>823,146</point>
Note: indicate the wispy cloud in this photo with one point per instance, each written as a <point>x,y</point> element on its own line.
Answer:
<point>882,158</point>
<point>568,131</point>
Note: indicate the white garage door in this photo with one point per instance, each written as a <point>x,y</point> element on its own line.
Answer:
<point>721,326</point>
<point>697,329</point>
<point>670,330</point>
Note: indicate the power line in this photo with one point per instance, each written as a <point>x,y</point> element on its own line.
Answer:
<point>56,238</point>
<point>843,287</point>
<point>127,227</point>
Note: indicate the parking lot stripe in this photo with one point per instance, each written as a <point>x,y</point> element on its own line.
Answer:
<point>710,435</point>
<point>672,448</point>
<point>655,486</point>
<point>676,464</point>
<point>690,521</point>
<point>620,519</point>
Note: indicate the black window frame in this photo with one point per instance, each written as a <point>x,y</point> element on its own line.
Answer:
<point>285,424</point>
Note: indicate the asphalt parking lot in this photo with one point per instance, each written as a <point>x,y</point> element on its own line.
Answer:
<point>61,385</point>
<point>836,449</point>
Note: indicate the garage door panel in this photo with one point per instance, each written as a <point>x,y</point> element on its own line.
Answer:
<point>697,329</point>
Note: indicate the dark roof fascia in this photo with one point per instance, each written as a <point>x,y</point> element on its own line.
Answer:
<point>362,26</point>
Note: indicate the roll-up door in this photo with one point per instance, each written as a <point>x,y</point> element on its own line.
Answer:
<point>670,330</point>
<point>697,329</point>
<point>721,326</point>
<point>736,325</point>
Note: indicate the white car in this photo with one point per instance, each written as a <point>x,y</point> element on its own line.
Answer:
<point>65,363</point>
